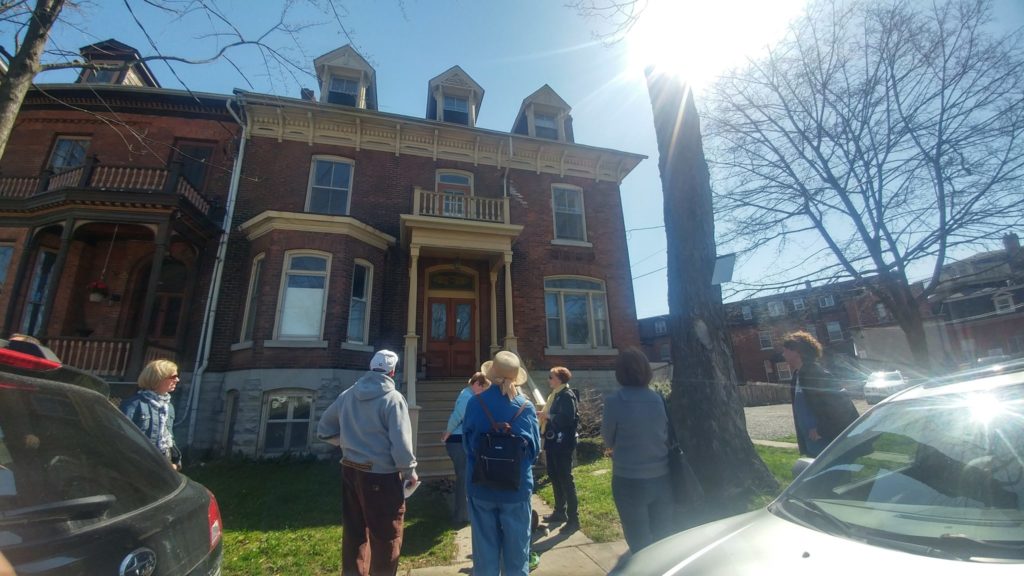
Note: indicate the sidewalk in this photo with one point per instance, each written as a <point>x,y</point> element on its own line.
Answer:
<point>559,554</point>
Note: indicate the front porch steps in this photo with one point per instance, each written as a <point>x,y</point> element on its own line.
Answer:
<point>436,399</point>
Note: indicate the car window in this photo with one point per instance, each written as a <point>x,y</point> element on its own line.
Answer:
<point>941,471</point>
<point>68,459</point>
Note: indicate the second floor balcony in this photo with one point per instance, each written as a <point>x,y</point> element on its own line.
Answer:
<point>92,177</point>
<point>464,207</point>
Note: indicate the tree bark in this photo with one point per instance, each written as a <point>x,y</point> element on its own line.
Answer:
<point>705,407</point>
<point>25,65</point>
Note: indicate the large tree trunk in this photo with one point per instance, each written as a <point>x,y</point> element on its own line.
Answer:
<point>25,65</point>
<point>705,406</point>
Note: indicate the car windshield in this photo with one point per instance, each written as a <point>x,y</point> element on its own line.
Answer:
<point>940,475</point>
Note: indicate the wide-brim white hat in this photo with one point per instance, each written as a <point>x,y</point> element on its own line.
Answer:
<point>505,366</point>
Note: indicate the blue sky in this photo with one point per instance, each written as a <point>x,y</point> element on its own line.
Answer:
<point>510,49</point>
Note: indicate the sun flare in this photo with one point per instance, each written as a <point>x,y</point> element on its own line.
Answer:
<point>700,39</point>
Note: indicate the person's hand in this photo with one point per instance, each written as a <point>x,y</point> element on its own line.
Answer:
<point>813,434</point>
<point>444,437</point>
<point>31,441</point>
<point>542,416</point>
<point>412,479</point>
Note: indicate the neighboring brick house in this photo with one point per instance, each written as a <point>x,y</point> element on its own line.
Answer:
<point>357,229</point>
<point>111,200</point>
<point>982,304</point>
<point>655,340</point>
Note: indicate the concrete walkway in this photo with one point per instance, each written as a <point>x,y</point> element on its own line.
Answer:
<point>560,554</point>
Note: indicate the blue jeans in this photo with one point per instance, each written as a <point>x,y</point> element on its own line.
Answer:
<point>458,456</point>
<point>501,534</point>
<point>645,508</point>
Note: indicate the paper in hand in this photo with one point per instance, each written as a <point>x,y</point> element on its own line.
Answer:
<point>408,488</point>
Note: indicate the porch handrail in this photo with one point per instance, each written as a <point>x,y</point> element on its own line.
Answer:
<point>18,187</point>
<point>430,203</point>
<point>154,352</point>
<point>102,357</point>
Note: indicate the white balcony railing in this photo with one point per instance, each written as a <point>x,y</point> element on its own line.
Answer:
<point>430,203</point>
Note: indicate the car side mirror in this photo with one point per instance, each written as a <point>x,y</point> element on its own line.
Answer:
<point>800,465</point>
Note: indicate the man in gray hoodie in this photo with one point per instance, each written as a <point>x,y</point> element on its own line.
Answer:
<point>370,422</point>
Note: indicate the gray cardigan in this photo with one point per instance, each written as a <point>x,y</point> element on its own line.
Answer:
<point>636,428</point>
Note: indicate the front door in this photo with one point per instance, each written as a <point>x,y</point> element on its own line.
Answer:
<point>451,338</point>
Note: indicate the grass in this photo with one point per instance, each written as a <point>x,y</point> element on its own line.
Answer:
<point>789,438</point>
<point>284,517</point>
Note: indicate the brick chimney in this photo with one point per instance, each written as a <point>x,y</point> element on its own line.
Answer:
<point>1011,242</point>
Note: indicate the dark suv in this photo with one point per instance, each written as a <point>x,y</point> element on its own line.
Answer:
<point>82,491</point>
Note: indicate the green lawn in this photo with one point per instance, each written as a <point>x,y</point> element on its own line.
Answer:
<point>284,517</point>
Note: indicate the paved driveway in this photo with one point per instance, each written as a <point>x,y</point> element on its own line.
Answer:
<point>774,422</point>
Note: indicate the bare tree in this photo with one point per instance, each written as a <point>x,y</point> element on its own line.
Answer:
<point>33,54</point>
<point>893,133</point>
<point>704,397</point>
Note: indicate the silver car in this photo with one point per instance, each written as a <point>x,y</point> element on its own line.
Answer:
<point>881,385</point>
<point>930,481</point>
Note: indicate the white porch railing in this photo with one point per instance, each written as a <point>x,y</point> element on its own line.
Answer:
<point>100,357</point>
<point>430,203</point>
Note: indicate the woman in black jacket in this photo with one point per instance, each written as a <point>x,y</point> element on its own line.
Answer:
<point>558,426</point>
<point>821,408</point>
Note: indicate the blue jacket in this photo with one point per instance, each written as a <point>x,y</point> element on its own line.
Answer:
<point>525,426</point>
<point>143,409</point>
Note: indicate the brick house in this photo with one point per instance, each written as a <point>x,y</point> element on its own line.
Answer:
<point>110,205</point>
<point>357,229</point>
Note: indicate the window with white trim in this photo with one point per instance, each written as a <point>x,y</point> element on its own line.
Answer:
<point>1003,303</point>
<point>330,186</point>
<point>455,186</point>
<point>748,312</point>
<point>359,302</point>
<point>456,109</point>
<point>545,126</point>
<point>343,91</point>
<point>776,308</point>
<point>798,304</point>
<point>835,331</point>
<point>68,152</point>
<point>765,338</point>
<point>287,419</point>
<point>826,301</point>
<point>252,299</point>
<point>784,371</point>
<point>567,203</point>
<point>303,297</point>
<point>660,328</point>
<point>577,313</point>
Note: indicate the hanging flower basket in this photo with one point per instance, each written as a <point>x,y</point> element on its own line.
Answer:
<point>98,290</point>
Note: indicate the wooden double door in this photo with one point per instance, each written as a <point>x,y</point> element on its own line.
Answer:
<point>451,337</point>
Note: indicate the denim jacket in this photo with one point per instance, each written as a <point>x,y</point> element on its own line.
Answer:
<point>143,409</point>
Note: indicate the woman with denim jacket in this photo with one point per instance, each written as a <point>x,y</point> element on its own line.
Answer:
<point>151,410</point>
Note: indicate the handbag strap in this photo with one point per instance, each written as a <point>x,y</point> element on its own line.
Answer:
<point>494,425</point>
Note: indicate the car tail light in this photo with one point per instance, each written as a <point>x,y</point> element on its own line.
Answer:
<point>24,361</point>
<point>214,521</point>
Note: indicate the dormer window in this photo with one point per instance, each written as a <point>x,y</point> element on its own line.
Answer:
<point>456,110</point>
<point>343,91</point>
<point>102,76</point>
<point>545,126</point>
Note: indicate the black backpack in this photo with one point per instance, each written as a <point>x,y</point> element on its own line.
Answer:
<point>499,454</point>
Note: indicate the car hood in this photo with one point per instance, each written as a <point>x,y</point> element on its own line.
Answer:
<point>761,543</point>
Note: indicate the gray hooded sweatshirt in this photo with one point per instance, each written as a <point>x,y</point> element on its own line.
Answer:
<point>370,422</point>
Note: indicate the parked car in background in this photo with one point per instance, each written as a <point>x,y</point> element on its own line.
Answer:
<point>881,385</point>
<point>929,481</point>
<point>82,491</point>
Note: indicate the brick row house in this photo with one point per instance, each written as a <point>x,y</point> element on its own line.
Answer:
<point>351,230</point>
<point>111,195</point>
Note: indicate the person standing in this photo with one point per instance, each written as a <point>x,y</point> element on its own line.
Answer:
<point>370,422</point>
<point>635,428</point>
<point>452,439</point>
<point>821,409</point>
<point>150,408</point>
<point>558,424</point>
<point>500,519</point>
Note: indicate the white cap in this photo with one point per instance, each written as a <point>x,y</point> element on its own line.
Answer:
<point>384,361</point>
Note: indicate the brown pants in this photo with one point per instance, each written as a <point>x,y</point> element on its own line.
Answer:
<point>373,509</point>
